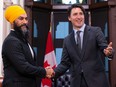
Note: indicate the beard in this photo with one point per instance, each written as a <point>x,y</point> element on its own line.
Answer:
<point>22,29</point>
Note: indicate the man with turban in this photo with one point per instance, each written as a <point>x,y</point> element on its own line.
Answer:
<point>20,68</point>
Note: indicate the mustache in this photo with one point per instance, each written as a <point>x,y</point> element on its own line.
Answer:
<point>25,26</point>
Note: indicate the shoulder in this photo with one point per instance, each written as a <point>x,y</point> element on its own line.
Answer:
<point>11,41</point>
<point>11,38</point>
<point>93,27</point>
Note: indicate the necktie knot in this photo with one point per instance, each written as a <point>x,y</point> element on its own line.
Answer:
<point>78,33</point>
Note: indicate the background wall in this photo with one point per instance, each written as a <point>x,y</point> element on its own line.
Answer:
<point>1,30</point>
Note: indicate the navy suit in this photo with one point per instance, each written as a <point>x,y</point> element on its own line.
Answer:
<point>19,66</point>
<point>90,60</point>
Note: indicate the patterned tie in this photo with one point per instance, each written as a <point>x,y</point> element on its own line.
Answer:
<point>79,40</point>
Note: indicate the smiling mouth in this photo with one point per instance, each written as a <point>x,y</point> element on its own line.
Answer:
<point>79,22</point>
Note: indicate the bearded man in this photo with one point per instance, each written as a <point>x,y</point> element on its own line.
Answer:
<point>19,61</point>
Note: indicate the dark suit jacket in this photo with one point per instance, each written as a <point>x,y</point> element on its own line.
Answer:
<point>19,66</point>
<point>90,59</point>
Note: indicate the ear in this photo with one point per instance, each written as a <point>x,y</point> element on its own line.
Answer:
<point>12,24</point>
<point>69,19</point>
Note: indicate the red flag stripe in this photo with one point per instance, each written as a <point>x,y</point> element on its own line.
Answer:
<point>49,46</point>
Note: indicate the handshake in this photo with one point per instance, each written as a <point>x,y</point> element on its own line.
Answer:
<point>49,72</point>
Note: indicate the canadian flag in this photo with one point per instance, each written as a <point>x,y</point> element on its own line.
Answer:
<point>49,60</point>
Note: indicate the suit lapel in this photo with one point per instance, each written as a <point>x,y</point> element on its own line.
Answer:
<point>72,39</point>
<point>73,42</point>
<point>85,40</point>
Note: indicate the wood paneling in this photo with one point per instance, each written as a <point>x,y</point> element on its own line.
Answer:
<point>112,37</point>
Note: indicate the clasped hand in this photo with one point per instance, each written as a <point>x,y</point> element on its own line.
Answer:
<point>49,72</point>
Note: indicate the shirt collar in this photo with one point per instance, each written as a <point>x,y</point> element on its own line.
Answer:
<point>12,30</point>
<point>81,29</point>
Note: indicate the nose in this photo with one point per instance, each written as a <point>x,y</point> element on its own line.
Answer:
<point>78,15</point>
<point>25,21</point>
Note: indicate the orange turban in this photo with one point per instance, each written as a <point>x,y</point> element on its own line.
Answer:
<point>13,12</point>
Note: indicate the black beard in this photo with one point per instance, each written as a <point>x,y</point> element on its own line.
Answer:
<point>24,33</point>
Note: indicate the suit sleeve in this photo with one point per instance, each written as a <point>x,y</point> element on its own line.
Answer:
<point>101,40</point>
<point>13,51</point>
<point>65,62</point>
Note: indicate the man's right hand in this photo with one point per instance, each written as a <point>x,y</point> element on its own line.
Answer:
<point>49,72</point>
